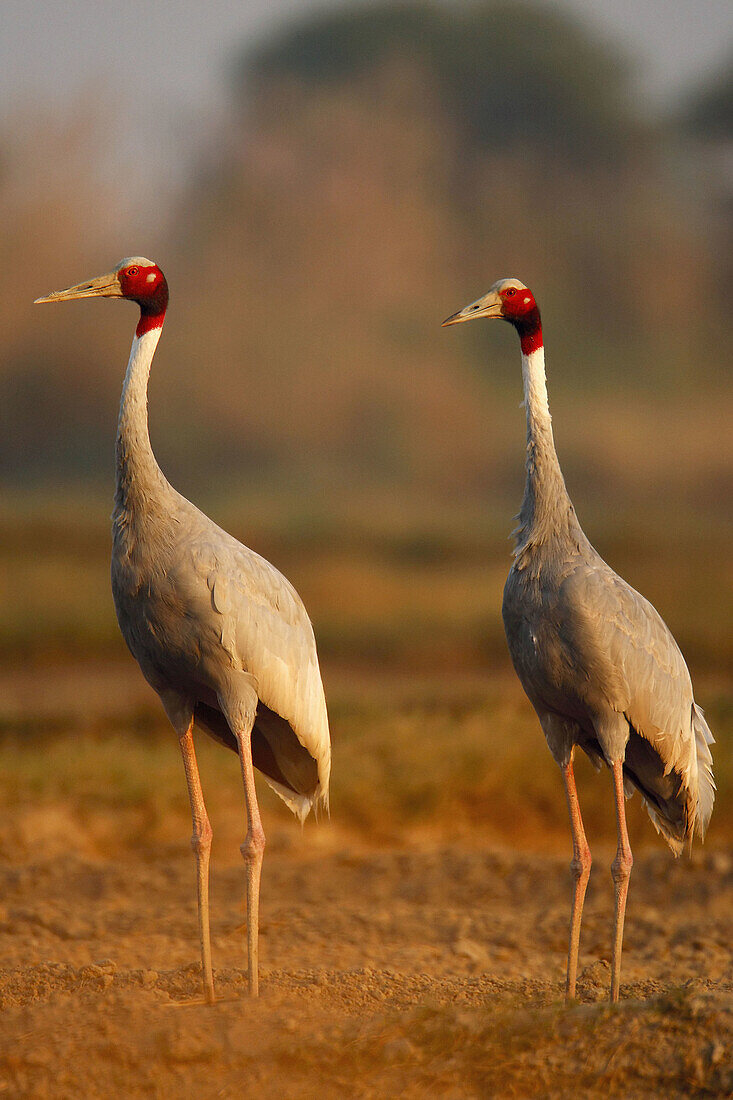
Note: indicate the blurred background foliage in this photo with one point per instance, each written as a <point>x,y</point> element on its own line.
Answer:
<point>382,165</point>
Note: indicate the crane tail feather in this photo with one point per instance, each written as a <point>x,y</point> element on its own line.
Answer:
<point>705,781</point>
<point>299,804</point>
<point>679,801</point>
<point>673,839</point>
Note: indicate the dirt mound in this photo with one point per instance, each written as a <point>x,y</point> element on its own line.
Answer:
<point>425,971</point>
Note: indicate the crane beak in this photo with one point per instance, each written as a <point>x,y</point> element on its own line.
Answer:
<point>488,306</point>
<point>104,286</point>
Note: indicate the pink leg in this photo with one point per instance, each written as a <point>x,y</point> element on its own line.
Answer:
<point>253,850</point>
<point>620,871</point>
<point>580,869</point>
<point>201,844</point>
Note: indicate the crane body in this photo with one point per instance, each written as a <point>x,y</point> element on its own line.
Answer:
<point>218,632</point>
<point>596,660</point>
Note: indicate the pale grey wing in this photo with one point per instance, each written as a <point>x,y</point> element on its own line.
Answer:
<point>265,629</point>
<point>645,676</point>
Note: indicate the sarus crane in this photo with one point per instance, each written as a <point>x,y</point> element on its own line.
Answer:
<point>596,660</point>
<point>218,632</point>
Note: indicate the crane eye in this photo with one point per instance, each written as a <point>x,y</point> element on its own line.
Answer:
<point>510,292</point>
<point>133,271</point>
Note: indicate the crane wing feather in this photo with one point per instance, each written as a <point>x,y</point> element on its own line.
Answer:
<point>265,630</point>
<point>623,644</point>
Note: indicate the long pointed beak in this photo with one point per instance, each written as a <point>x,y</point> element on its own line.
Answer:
<point>488,306</point>
<point>104,286</point>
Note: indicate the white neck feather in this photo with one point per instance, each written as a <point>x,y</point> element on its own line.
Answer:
<point>136,463</point>
<point>535,393</point>
<point>546,510</point>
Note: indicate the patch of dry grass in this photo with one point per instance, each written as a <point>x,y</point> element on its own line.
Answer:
<point>400,584</point>
<point>431,730</point>
<point>410,759</point>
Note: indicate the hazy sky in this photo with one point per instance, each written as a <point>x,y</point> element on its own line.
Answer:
<point>182,46</point>
<point>164,63</point>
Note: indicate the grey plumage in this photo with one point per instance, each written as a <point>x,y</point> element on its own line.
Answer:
<point>596,660</point>
<point>202,613</point>
<point>219,633</point>
<point>603,671</point>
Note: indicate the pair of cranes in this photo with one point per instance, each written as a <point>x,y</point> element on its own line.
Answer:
<point>227,644</point>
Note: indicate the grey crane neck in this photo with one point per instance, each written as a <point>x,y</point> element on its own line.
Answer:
<point>138,473</point>
<point>547,513</point>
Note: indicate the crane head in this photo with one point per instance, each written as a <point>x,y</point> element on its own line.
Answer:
<point>508,300</point>
<point>135,278</point>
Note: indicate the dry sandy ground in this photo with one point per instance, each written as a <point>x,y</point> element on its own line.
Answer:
<point>425,971</point>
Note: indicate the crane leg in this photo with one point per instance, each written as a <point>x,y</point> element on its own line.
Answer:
<point>201,844</point>
<point>580,870</point>
<point>252,850</point>
<point>621,872</point>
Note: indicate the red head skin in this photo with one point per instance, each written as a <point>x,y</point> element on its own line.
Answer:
<point>146,286</point>
<point>520,309</point>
